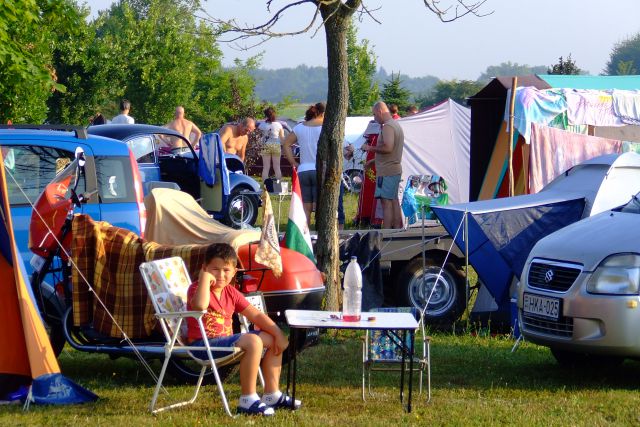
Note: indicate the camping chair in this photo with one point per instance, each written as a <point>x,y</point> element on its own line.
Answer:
<point>167,282</point>
<point>380,351</point>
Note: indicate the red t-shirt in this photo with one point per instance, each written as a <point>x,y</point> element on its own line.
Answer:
<point>217,320</point>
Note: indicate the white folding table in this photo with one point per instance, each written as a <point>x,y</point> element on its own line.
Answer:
<point>389,323</point>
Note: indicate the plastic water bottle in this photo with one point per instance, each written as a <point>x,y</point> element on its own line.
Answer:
<point>352,297</point>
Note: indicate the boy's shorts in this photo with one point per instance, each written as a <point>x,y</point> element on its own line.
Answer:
<point>228,341</point>
<point>387,187</point>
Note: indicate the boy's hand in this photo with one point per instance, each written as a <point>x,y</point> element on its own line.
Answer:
<point>206,277</point>
<point>281,343</point>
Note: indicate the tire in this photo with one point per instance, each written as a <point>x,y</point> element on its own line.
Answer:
<point>48,311</point>
<point>241,209</point>
<point>187,371</point>
<point>447,301</point>
<point>571,359</point>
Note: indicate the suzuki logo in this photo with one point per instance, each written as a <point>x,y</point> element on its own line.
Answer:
<point>548,276</point>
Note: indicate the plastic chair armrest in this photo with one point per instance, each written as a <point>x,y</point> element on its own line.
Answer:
<point>178,314</point>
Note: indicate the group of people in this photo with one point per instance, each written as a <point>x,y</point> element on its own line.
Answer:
<point>235,139</point>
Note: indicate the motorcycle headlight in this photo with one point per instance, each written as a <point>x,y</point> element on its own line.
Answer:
<point>618,274</point>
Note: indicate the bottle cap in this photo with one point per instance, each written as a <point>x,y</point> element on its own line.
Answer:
<point>354,257</point>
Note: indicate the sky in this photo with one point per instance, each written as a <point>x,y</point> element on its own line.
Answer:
<point>412,40</point>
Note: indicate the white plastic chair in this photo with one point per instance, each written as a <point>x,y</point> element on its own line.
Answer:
<point>167,282</point>
<point>381,353</point>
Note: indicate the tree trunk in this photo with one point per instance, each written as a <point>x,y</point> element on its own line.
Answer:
<point>329,159</point>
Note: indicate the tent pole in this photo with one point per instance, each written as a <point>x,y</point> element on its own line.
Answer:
<point>512,102</point>
<point>466,259</point>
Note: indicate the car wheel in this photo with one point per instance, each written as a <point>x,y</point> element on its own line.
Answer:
<point>242,209</point>
<point>572,359</point>
<point>446,301</point>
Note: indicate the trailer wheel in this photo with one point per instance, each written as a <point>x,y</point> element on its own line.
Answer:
<point>446,302</point>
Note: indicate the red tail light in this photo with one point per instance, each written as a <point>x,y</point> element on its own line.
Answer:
<point>137,183</point>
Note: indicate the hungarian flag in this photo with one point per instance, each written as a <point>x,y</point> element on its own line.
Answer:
<point>297,236</point>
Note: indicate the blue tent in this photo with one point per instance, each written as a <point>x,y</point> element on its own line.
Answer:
<point>502,232</point>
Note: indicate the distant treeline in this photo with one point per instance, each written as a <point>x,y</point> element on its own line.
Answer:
<point>309,84</point>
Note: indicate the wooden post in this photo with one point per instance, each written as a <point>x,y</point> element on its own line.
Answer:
<point>512,102</point>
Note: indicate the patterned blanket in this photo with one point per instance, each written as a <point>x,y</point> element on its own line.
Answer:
<point>107,259</point>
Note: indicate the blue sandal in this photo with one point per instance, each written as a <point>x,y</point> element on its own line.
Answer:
<point>285,403</point>
<point>257,408</point>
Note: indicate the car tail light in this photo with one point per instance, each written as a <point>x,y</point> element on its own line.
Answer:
<point>137,183</point>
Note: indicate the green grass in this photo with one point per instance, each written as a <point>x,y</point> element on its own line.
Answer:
<point>280,207</point>
<point>476,380</point>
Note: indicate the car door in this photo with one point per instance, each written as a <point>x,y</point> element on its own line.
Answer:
<point>144,148</point>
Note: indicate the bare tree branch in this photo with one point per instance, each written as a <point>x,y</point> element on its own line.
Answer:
<point>462,8</point>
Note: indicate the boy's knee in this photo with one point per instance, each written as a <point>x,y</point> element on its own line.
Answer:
<point>250,343</point>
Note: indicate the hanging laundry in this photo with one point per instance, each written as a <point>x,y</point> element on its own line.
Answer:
<point>534,106</point>
<point>626,105</point>
<point>591,107</point>
<point>553,151</point>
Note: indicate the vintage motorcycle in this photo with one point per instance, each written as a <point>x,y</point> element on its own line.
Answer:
<point>50,239</point>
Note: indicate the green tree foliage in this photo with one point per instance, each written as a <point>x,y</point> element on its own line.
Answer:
<point>510,69</point>
<point>565,66</point>
<point>458,90</point>
<point>394,93</point>
<point>625,57</point>
<point>363,90</point>
<point>31,32</point>
<point>155,54</point>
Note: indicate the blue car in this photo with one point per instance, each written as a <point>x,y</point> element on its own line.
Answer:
<point>32,158</point>
<point>232,196</point>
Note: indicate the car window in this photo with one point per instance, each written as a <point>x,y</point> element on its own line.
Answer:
<point>30,168</point>
<point>115,179</point>
<point>143,148</point>
<point>633,206</point>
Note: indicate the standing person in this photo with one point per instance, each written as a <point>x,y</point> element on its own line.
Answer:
<point>412,110</point>
<point>185,127</point>
<point>273,137</point>
<point>213,294</point>
<point>235,137</point>
<point>388,163</point>
<point>307,134</point>
<point>123,118</point>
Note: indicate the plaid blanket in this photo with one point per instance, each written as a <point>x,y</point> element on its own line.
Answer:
<point>107,259</point>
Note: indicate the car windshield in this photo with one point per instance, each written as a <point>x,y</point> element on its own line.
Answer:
<point>633,206</point>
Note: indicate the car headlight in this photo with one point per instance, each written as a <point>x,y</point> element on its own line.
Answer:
<point>618,274</point>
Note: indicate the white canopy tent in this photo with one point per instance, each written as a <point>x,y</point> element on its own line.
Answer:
<point>436,142</point>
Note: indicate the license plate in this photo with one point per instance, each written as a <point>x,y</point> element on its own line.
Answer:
<point>37,262</point>
<point>541,306</point>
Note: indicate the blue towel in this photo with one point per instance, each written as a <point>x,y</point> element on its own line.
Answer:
<point>212,158</point>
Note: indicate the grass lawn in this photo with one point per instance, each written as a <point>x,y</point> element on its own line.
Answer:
<point>476,380</point>
<point>280,205</point>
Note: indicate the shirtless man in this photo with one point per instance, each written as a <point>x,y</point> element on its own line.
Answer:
<point>185,127</point>
<point>234,137</point>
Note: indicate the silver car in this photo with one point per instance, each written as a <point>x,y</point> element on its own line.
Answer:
<point>579,291</point>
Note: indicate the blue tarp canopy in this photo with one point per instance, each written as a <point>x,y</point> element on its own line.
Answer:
<point>502,232</point>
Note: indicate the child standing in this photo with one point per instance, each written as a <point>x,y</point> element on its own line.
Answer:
<point>212,293</point>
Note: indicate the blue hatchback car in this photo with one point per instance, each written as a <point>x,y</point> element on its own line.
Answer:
<point>32,157</point>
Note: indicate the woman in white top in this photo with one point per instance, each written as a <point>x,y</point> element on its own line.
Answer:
<point>306,134</point>
<point>272,137</point>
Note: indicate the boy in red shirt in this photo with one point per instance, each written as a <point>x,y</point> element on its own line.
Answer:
<point>212,293</point>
